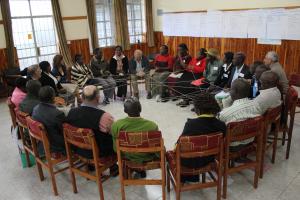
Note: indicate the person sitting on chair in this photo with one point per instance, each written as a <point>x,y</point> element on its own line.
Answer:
<point>100,70</point>
<point>47,114</point>
<point>139,68</point>
<point>34,72</point>
<point>206,123</point>
<point>240,70</point>
<point>225,70</point>
<point>59,69</point>
<point>269,96</point>
<point>19,92</point>
<point>118,67</point>
<point>82,75</point>
<point>163,67</point>
<point>242,108</point>
<point>32,97</point>
<point>134,123</point>
<point>213,67</point>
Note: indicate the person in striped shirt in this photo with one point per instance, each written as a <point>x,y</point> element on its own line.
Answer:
<point>82,75</point>
<point>242,108</point>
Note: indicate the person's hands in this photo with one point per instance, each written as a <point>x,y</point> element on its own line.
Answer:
<point>58,78</point>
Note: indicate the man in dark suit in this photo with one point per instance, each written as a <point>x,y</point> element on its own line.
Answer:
<point>46,113</point>
<point>139,68</point>
<point>241,70</point>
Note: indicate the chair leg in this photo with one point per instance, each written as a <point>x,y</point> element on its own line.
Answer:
<point>27,158</point>
<point>73,179</point>
<point>203,177</point>
<point>178,192</point>
<point>163,173</point>
<point>40,171</point>
<point>225,180</point>
<point>168,179</point>
<point>99,184</point>
<point>283,138</point>
<point>219,182</point>
<point>274,147</point>
<point>287,154</point>
<point>53,180</point>
<point>261,173</point>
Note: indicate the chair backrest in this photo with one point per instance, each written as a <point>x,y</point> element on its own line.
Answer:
<point>294,80</point>
<point>140,140</point>
<point>291,99</point>
<point>246,129</point>
<point>79,137</point>
<point>200,145</point>
<point>21,118</point>
<point>12,112</point>
<point>273,114</point>
<point>37,130</point>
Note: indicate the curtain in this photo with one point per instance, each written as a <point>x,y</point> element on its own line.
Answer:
<point>121,24</point>
<point>149,23</point>
<point>91,12</point>
<point>10,47</point>
<point>63,46</point>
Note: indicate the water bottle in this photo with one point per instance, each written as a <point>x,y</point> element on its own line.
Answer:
<point>254,89</point>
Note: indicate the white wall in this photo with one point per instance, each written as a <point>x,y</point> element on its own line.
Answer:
<point>75,29</point>
<point>194,5</point>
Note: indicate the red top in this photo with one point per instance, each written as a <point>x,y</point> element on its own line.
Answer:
<point>164,62</point>
<point>198,65</point>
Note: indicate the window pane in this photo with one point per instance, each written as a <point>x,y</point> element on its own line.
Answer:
<point>128,12</point>
<point>137,12</point>
<point>101,31</point>
<point>44,31</point>
<point>19,8</point>
<point>48,50</point>
<point>108,29</point>
<point>22,33</point>
<point>41,7</point>
<point>99,13</point>
<point>23,53</point>
<point>138,27</point>
<point>48,58</point>
<point>132,39</point>
<point>102,42</point>
<point>27,62</point>
<point>130,28</point>
<point>109,42</point>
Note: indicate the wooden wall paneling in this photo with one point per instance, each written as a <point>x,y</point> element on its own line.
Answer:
<point>3,59</point>
<point>288,51</point>
<point>80,47</point>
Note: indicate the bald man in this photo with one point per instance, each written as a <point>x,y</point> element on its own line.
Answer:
<point>88,115</point>
<point>139,68</point>
<point>270,96</point>
<point>134,123</point>
<point>242,108</point>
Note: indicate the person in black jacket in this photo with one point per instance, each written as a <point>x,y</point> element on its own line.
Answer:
<point>59,69</point>
<point>46,113</point>
<point>206,108</point>
<point>48,79</point>
<point>118,67</point>
<point>225,71</point>
<point>240,70</point>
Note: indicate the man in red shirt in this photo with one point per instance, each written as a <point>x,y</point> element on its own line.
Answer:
<point>163,67</point>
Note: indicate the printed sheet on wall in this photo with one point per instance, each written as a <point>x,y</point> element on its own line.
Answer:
<point>261,23</point>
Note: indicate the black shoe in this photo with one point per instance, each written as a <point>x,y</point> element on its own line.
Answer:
<point>114,170</point>
<point>149,96</point>
<point>106,101</point>
<point>140,174</point>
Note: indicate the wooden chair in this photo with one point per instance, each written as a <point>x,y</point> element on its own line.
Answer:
<point>84,138</point>
<point>12,112</point>
<point>141,142</point>
<point>289,115</point>
<point>38,134</point>
<point>239,131</point>
<point>22,123</point>
<point>272,118</point>
<point>294,80</point>
<point>193,147</point>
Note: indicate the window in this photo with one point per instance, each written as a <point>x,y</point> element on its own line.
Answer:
<point>136,20</point>
<point>104,22</point>
<point>33,31</point>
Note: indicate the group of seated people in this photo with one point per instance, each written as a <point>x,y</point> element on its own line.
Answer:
<point>36,97</point>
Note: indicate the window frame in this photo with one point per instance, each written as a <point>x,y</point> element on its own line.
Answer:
<point>105,3</point>
<point>133,20</point>
<point>36,47</point>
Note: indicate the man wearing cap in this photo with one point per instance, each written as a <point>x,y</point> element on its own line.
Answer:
<point>213,66</point>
